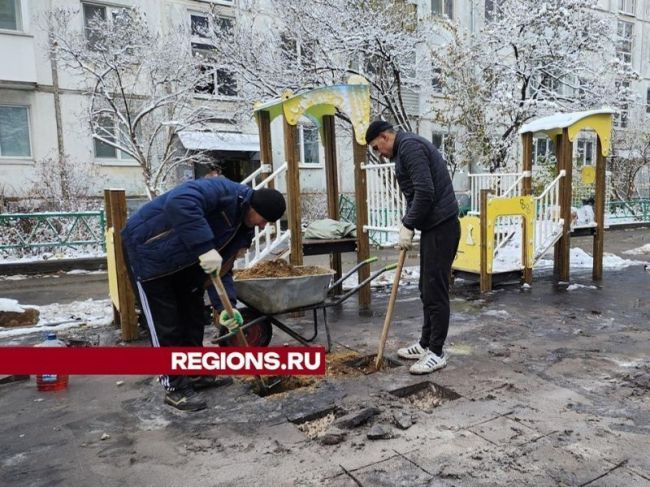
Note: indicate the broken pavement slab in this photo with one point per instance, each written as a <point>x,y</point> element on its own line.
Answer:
<point>356,418</point>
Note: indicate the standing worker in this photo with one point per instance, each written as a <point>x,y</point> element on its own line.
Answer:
<point>431,207</point>
<point>171,243</point>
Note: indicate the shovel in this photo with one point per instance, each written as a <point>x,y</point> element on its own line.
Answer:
<point>389,312</point>
<point>225,301</point>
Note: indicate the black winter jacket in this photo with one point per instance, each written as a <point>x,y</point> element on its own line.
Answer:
<point>424,179</point>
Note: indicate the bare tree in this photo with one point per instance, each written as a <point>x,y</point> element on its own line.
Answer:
<point>62,184</point>
<point>630,155</point>
<point>531,58</point>
<point>296,45</point>
<point>141,86</point>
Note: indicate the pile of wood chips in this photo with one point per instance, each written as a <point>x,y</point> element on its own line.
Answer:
<point>277,268</point>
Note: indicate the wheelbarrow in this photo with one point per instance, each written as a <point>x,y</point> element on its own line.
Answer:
<point>266,299</point>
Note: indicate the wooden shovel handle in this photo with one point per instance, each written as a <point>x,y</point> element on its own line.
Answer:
<point>389,311</point>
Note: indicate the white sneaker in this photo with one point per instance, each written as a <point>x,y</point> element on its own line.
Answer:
<point>413,352</point>
<point>429,362</point>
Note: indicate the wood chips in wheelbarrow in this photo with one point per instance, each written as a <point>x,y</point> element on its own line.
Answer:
<point>278,268</point>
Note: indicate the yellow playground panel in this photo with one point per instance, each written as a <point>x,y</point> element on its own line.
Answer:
<point>468,257</point>
<point>478,233</point>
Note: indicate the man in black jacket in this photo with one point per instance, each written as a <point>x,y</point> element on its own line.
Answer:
<point>431,207</point>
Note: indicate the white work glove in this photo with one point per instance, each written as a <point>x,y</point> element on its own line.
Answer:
<point>231,322</point>
<point>405,238</point>
<point>211,262</point>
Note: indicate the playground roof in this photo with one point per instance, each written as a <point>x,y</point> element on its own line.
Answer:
<point>598,120</point>
<point>352,98</point>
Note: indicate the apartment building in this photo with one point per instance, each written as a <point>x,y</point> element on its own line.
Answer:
<point>32,114</point>
<point>34,125</point>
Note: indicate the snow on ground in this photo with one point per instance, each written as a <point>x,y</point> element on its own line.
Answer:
<point>502,313</point>
<point>66,254</point>
<point>22,277</point>
<point>582,260</point>
<point>643,250</point>
<point>575,286</point>
<point>410,275</point>
<point>57,317</point>
<point>11,305</point>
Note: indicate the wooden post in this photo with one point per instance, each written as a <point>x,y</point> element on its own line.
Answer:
<point>363,242</point>
<point>599,213</point>
<point>526,190</point>
<point>332,184</point>
<point>115,208</point>
<point>485,277</point>
<point>266,149</point>
<point>293,191</point>
<point>561,265</point>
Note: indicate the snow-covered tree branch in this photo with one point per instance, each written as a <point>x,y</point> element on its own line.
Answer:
<point>531,58</point>
<point>141,84</point>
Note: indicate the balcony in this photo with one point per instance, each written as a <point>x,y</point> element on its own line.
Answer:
<point>17,60</point>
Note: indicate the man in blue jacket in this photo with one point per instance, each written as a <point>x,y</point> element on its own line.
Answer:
<point>171,243</point>
<point>431,207</point>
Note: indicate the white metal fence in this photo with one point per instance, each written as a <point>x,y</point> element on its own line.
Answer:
<point>501,184</point>
<point>386,204</point>
<point>271,236</point>
<point>548,221</point>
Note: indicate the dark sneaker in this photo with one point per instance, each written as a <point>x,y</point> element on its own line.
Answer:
<point>185,400</point>
<point>206,381</point>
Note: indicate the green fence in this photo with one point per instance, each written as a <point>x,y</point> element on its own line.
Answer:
<point>66,233</point>
<point>628,211</point>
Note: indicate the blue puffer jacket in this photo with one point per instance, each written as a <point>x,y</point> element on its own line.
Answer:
<point>169,233</point>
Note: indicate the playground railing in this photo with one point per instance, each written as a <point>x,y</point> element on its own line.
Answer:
<point>548,221</point>
<point>66,233</point>
<point>501,184</point>
<point>628,211</point>
<point>386,203</point>
<point>271,236</point>
<point>252,176</point>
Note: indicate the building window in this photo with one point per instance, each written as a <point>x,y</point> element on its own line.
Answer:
<point>543,151</point>
<point>105,128</point>
<point>98,17</point>
<point>624,41</point>
<point>215,80</point>
<point>621,117</point>
<point>626,6</point>
<point>443,142</point>
<point>491,10</point>
<point>308,144</point>
<point>436,79</point>
<point>647,101</point>
<point>443,7</point>
<point>14,132</point>
<point>10,15</point>
<point>584,152</point>
<point>199,25</point>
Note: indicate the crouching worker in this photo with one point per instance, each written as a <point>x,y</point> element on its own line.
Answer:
<point>170,244</point>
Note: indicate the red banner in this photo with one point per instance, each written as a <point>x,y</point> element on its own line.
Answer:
<point>165,360</point>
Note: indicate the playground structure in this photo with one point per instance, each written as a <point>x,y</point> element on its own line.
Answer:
<point>511,228</point>
<point>320,105</point>
<point>508,228</point>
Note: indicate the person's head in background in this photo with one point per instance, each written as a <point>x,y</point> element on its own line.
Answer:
<point>214,169</point>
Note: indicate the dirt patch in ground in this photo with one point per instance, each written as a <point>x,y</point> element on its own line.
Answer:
<point>278,268</point>
<point>313,429</point>
<point>339,364</point>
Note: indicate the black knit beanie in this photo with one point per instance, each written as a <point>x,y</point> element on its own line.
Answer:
<point>375,128</point>
<point>269,203</point>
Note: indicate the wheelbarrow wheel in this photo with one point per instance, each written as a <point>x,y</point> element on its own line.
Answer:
<point>257,335</point>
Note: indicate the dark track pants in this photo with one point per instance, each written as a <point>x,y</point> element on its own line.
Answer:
<point>438,248</point>
<point>174,308</point>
